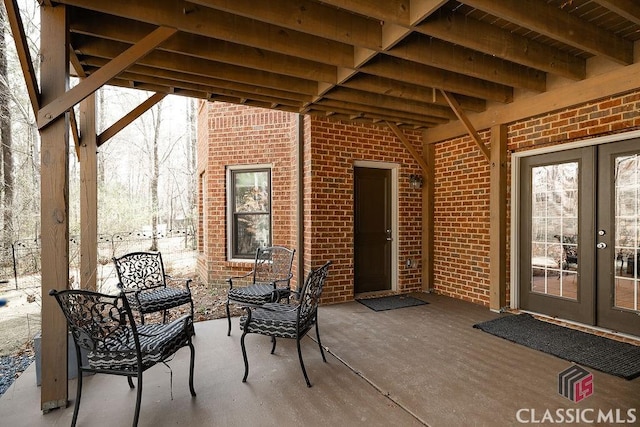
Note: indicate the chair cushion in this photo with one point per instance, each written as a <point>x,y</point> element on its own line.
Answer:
<point>272,319</point>
<point>157,343</point>
<point>159,299</point>
<point>254,294</point>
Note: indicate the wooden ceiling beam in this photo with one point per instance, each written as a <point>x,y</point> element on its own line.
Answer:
<point>341,113</point>
<point>423,75</point>
<point>220,90</point>
<point>394,11</point>
<point>126,31</point>
<point>164,61</point>
<point>628,9</point>
<point>556,23</point>
<point>224,26</point>
<point>194,82</point>
<point>440,54</point>
<point>383,101</point>
<point>507,45</point>
<point>385,113</point>
<point>400,90</point>
<point>92,83</point>
<point>309,17</point>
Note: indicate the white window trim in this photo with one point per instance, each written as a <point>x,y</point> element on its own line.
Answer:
<point>515,202</point>
<point>229,210</point>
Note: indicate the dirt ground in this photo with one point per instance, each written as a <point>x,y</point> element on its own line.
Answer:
<point>20,317</point>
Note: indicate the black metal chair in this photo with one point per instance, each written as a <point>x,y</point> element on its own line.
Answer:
<point>270,280</point>
<point>287,321</point>
<point>103,326</point>
<point>142,278</point>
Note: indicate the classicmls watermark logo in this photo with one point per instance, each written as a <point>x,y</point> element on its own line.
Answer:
<point>575,383</point>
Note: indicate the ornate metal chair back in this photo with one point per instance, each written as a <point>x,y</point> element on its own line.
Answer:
<point>273,264</point>
<point>140,271</point>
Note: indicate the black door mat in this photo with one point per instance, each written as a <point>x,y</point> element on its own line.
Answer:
<point>391,302</point>
<point>603,354</point>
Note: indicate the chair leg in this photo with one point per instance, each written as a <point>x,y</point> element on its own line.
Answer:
<point>136,414</point>
<point>304,371</point>
<point>228,319</point>
<point>319,343</point>
<point>244,356</point>
<point>76,407</point>
<point>130,382</point>
<point>193,355</point>
<point>273,341</point>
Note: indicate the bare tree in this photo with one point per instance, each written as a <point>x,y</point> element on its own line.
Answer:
<point>155,176</point>
<point>5,139</point>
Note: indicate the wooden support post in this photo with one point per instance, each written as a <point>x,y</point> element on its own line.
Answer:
<point>428,191</point>
<point>498,219</point>
<point>88,194</point>
<point>54,172</point>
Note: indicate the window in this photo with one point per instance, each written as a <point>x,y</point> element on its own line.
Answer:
<point>249,202</point>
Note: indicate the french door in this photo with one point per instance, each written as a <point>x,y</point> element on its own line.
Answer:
<point>580,235</point>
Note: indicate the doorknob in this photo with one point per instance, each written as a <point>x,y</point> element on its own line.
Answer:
<point>389,235</point>
<point>601,245</point>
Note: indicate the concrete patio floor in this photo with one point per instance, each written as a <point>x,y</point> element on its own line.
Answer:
<point>423,365</point>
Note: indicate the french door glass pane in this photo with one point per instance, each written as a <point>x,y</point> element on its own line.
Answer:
<point>627,224</point>
<point>554,229</point>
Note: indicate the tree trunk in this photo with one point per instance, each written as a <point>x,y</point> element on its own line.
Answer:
<point>155,178</point>
<point>5,138</point>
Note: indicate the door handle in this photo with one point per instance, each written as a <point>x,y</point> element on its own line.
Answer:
<point>389,238</point>
<point>601,245</point>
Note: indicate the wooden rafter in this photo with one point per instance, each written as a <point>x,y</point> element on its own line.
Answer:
<point>89,85</point>
<point>555,23</point>
<point>504,44</point>
<point>630,9</point>
<point>467,124</point>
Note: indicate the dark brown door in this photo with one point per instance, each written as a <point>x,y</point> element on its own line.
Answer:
<point>556,234</point>
<point>618,236</point>
<point>372,230</point>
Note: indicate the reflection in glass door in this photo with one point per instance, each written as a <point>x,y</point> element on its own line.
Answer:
<point>554,227</point>
<point>556,234</point>
<point>627,203</point>
<point>618,229</point>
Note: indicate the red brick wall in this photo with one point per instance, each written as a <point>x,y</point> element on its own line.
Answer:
<point>461,217</point>
<point>236,135</point>
<point>462,187</point>
<point>461,203</point>
<point>231,135</point>
<point>331,149</point>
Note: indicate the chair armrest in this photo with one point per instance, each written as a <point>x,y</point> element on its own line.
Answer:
<point>186,281</point>
<point>244,276</point>
<point>283,280</point>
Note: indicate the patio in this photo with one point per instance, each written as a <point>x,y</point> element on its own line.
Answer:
<point>421,365</point>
